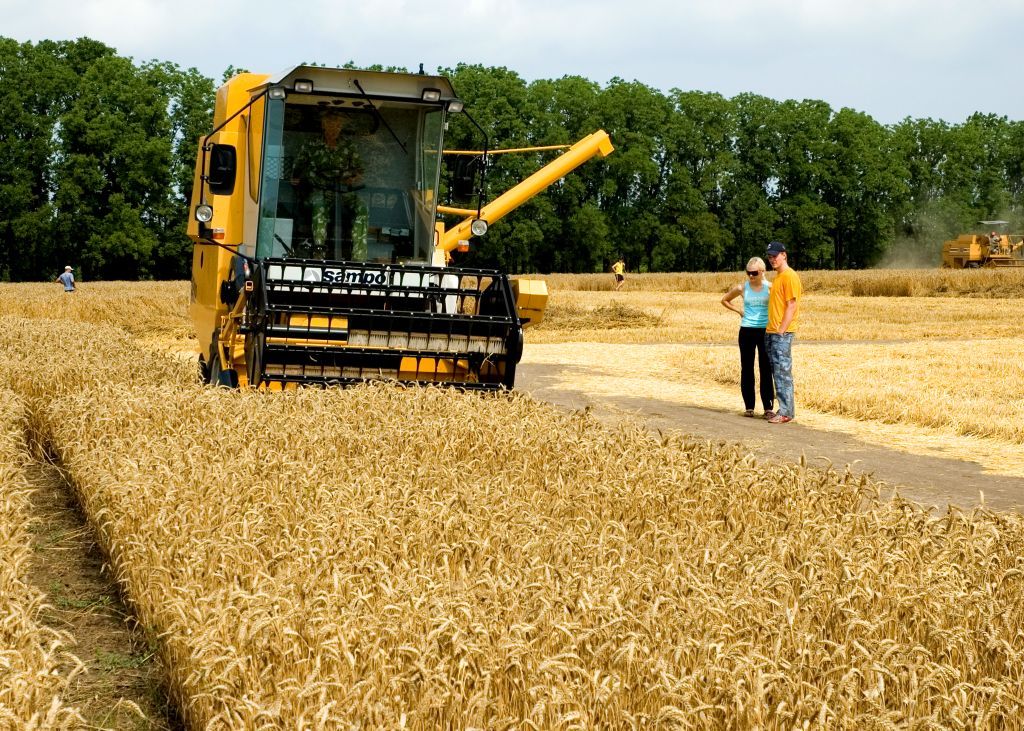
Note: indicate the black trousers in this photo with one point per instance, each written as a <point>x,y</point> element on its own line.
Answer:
<point>752,339</point>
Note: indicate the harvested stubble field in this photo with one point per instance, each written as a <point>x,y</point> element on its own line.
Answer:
<point>382,557</point>
<point>650,316</point>
<point>984,283</point>
<point>978,391</point>
<point>949,365</point>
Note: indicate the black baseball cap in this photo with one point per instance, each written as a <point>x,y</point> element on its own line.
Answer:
<point>776,247</point>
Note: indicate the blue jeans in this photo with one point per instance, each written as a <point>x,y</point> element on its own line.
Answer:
<point>780,353</point>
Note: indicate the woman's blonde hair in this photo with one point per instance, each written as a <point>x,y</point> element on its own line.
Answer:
<point>756,263</point>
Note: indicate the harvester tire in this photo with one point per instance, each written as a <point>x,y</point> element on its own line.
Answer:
<point>254,343</point>
<point>217,376</point>
<point>213,362</point>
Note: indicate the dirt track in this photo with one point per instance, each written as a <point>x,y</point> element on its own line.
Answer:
<point>123,686</point>
<point>930,480</point>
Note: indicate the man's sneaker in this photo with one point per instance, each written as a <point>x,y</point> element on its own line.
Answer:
<point>749,413</point>
<point>769,415</point>
<point>780,419</point>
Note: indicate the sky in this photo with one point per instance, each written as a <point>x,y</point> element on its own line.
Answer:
<point>892,59</point>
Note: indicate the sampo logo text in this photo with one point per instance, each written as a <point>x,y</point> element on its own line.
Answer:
<point>355,277</point>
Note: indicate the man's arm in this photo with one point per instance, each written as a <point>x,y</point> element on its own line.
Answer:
<point>788,316</point>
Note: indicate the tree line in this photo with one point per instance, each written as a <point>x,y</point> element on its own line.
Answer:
<point>99,151</point>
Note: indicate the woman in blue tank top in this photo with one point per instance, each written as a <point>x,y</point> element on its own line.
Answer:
<point>754,318</point>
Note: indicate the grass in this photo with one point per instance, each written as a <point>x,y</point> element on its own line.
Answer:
<point>83,604</point>
<point>108,661</point>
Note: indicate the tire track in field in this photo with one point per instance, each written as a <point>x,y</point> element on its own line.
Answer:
<point>123,685</point>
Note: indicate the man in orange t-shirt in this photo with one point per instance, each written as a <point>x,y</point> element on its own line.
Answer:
<point>783,309</point>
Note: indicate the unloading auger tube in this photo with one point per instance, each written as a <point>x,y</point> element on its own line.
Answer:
<point>596,143</point>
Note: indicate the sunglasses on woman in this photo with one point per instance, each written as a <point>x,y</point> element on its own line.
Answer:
<point>752,274</point>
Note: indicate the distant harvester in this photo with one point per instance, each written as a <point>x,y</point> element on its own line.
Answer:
<point>989,250</point>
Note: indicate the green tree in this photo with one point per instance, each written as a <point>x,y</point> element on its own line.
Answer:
<point>190,97</point>
<point>114,169</point>
<point>806,220</point>
<point>956,176</point>
<point>634,187</point>
<point>566,111</point>
<point>585,246</point>
<point>864,184</point>
<point>920,144</point>
<point>40,83</point>
<point>989,145</point>
<point>231,72</point>
<point>99,159</point>
<point>26,134</point>
<point>497,100</point>
<point>1015,173</point>
<point>752,192</point>
<point>701,163</point>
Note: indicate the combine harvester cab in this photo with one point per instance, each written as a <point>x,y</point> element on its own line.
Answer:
<point>319,255</point>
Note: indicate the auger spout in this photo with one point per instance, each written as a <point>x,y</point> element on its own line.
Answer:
<point>597,143</point>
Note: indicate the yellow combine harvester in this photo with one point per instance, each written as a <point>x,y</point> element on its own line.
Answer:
<point>319,255</point>
<point>993,249</point>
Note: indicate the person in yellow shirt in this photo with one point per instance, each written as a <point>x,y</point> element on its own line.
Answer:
<point>783,313</point>
<point>619,270</point>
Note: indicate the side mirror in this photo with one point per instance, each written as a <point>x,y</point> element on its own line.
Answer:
<point>464,177</point>
<point>223,164</point>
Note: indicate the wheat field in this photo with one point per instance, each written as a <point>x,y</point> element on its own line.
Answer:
<point>452,579</point>
<point>385,557</point>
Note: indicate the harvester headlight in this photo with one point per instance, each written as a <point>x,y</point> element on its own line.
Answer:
<point>277,92</point>
<point>303,86</point>
<point>204,213</point>
<point>478,227</point>
<point>431,95</point>
<point>455,106</point>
